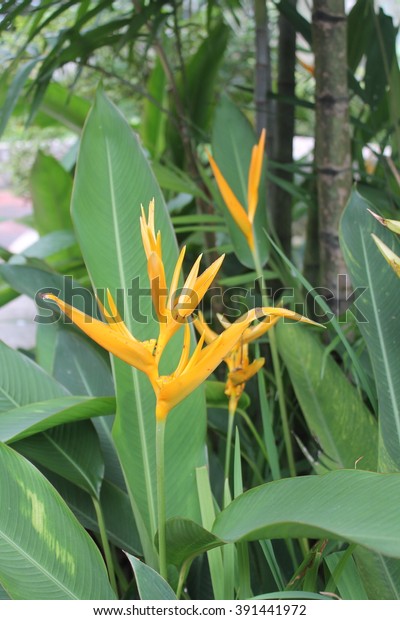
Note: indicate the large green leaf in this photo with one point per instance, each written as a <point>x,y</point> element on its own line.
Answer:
<point>44,552</point>
<point>352,505</point>
<point>151,586</point>
<point>112,180</point>
<point>232,152</point>
<point>331,405</point>
<point>81,367</point>
<point>120,525</point>
<point>23,382</point>
<point>51,187</point>
<point>187,539</point>
<point>34,276</point>
<point>379,308</point>
<point>20,422</point>
<point>70,450</point>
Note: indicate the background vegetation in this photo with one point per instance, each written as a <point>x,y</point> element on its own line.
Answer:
<point>320,424</point>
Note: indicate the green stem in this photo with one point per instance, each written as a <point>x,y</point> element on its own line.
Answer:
<point>228,448</point>
<point>277,372</point>
<point>105,544</point>
<point>162,549</point>
<point>182,576</point>
<point>255,434</point>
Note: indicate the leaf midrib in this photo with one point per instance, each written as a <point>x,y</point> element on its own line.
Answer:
<point>140,417</point>
<point>34,562</point>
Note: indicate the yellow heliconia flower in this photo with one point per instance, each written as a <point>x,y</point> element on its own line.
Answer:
<point>172,308</point>
<point>190,372</point>
<point>244,219</point>
<point>239,372</point>
<point>388,254</point>
<point>239,368</point>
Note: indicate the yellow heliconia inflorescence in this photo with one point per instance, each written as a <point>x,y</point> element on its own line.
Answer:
<point>173,307</point>
<point>244,219</point>
<point>240,370</point>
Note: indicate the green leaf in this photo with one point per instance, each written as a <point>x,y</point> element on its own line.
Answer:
<point>348,583</point>
<point>39,416</point>
<point>70,450</point>
<point>175,180</point>
<point>380,575</point>
<point>51,244</point>
<point>14,91</point>
<point>154,117</point>
<point>214,556</point>
<point>360,27</point>
<point>3,595</point>
<point>187,539</point>
<point>36,276</point>
<point>51,188</point>
<point>331,405</point>
<point>22,381</point>
<point>45,554</point>
<point>64,106</point>
<point>299,23</point>
<point>151,586</point>
<point>379,308</point>
<point>196,89</point>
<point>291,595</point>
<point>120,525</point>
<point>112,180</point>
<point>356,506</point>
<point>77,362</point>
<point>232,152</point>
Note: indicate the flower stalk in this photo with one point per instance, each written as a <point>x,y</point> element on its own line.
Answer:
<point>161,499</point>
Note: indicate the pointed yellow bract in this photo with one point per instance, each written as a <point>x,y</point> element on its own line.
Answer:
<point>237,360</point>
<point>240,371</point>
<point>393,225</point>
<point>172,307</point>
<point>244,219</point>
<point>388,254</point>
<point>113,336</point>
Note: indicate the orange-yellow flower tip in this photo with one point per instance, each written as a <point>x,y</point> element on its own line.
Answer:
<point>117,341</point>
<point>50,296</point>
<point>285,313</point>
<point>306,66</point>
<point>392,225</point>
<point>241,375</point>
<point>234,206</point>
<point>255,176</point>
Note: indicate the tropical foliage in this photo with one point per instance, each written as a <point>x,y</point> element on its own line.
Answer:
<point>196,421</point>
